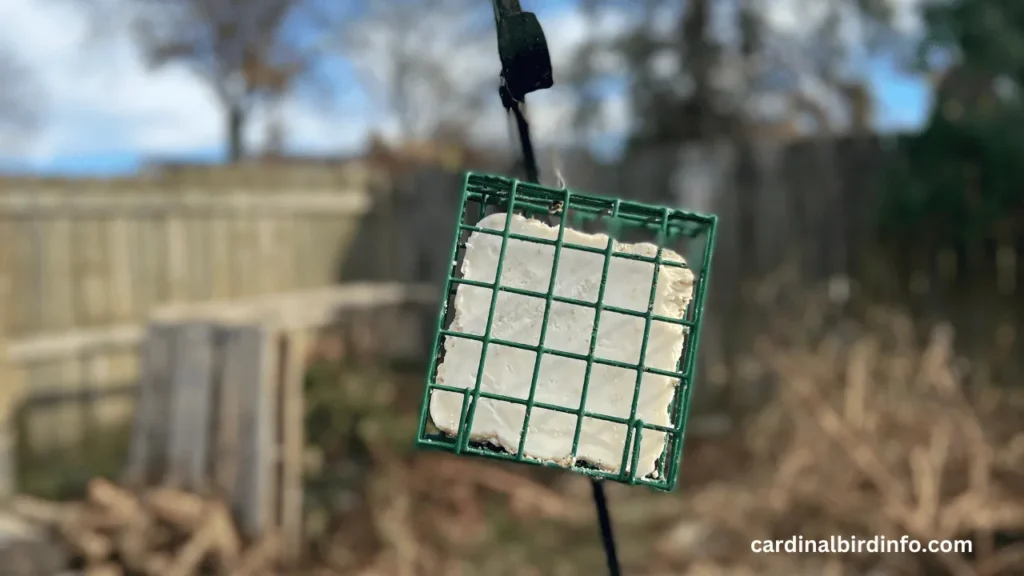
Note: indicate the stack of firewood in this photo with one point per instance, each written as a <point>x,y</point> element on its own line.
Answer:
<point>161,531</point>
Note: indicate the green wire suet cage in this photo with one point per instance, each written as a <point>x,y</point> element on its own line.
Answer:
<point>670,230</point>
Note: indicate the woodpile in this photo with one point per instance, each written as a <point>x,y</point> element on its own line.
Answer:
<point>158,532</point>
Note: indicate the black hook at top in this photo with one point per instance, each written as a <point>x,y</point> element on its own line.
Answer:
<point>523,49</point>
<point>525,68</point>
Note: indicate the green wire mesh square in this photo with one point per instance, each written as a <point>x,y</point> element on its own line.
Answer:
<point>671,231</point>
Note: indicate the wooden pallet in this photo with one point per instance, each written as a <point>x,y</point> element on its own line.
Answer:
<point>220,413</point>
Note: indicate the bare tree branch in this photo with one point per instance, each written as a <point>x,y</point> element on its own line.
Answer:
<point>248,51</point>
<point>430,63</point>
<point>741,65</point>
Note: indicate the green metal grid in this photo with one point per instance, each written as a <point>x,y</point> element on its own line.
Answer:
<point>574,210</point>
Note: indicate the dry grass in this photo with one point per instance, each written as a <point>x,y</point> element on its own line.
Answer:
<point>870,432</point>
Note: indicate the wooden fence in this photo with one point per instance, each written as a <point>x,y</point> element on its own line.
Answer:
<point>120,249</point>
<point>77,255</point>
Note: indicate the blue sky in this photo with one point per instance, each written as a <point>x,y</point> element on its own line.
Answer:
<point>902,100</point>
<point>106,113</point>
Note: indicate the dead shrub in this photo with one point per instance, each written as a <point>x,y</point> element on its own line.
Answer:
<point>871,432</point>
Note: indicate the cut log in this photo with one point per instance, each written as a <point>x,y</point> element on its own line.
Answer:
<point>116,501</point>
<point>190,556</point>
<point>181,509</point>
<point>108,569</point>
<point>136,542</point>
<point>158,564</point>
<point>39,511</point>
<point>94,547</point>
<point>258,558</point>
<point>228,545</point>
<point>114,532</point>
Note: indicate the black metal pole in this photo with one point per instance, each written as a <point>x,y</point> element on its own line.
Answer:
<point>607,538</point>
<point>529,158</point>
<point>600,501</point>
<point>526,66</point>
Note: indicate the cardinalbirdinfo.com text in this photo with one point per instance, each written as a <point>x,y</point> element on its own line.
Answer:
<point>854,544</point>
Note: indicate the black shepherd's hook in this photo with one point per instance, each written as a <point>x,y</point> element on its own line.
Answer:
<point>525,68</point>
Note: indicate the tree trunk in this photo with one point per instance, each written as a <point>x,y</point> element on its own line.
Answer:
<point>236,129</point>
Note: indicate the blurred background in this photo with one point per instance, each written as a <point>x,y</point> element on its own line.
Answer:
<point>263,192</point>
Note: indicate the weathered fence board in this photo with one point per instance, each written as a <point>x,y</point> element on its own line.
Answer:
<point>255,497</point>
<point>220,404</point>
<point>221,420</point>
<point>293,440</point>
<point>148,442</point>
<point>192,387</point>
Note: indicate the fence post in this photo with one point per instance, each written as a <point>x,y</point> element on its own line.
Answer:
<point>8,456</point>
<point>292,441</point>
<point>11,395</point>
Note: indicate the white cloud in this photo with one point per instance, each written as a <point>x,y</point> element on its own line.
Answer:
<point>799,17</point>
<point>101,98</point>
<point>102,101</point>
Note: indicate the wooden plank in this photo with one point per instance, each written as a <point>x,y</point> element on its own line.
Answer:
<point>267,281</point>
<point>87,385</point>
<point>147,445</point>
<point>305,245</point>
<point>245,258</point>
<point>293,408</point>
<point>9,394</point>
<point>303,309</point>
<point>177,260</point>
<point>8,250</point>
<point>256,352</point>
<point>73,343</point>
<point>122,271</point>
<point>309,308</point>
<point>8,455</point>
<point>235,372</point>
<point>220,259</point>
<point>192,390</point>
<point>201,279</point>
<point>115,389</point>
<point>289,257</point>
<point>141,263</point>
<point>34,297</point>
<point>63,280</point>
<point>152,205</point>
<point>89,255</point>
<point>237,263</point>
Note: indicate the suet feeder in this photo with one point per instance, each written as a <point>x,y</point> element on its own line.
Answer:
<point>568,333</point>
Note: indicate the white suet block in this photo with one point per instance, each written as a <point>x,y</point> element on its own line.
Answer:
<point>509,371</point>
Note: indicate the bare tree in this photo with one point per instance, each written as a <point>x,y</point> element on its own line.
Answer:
<point>248,51</point>
<point>702,69</point>
<point>20,112</point>
<point>430,63</point>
